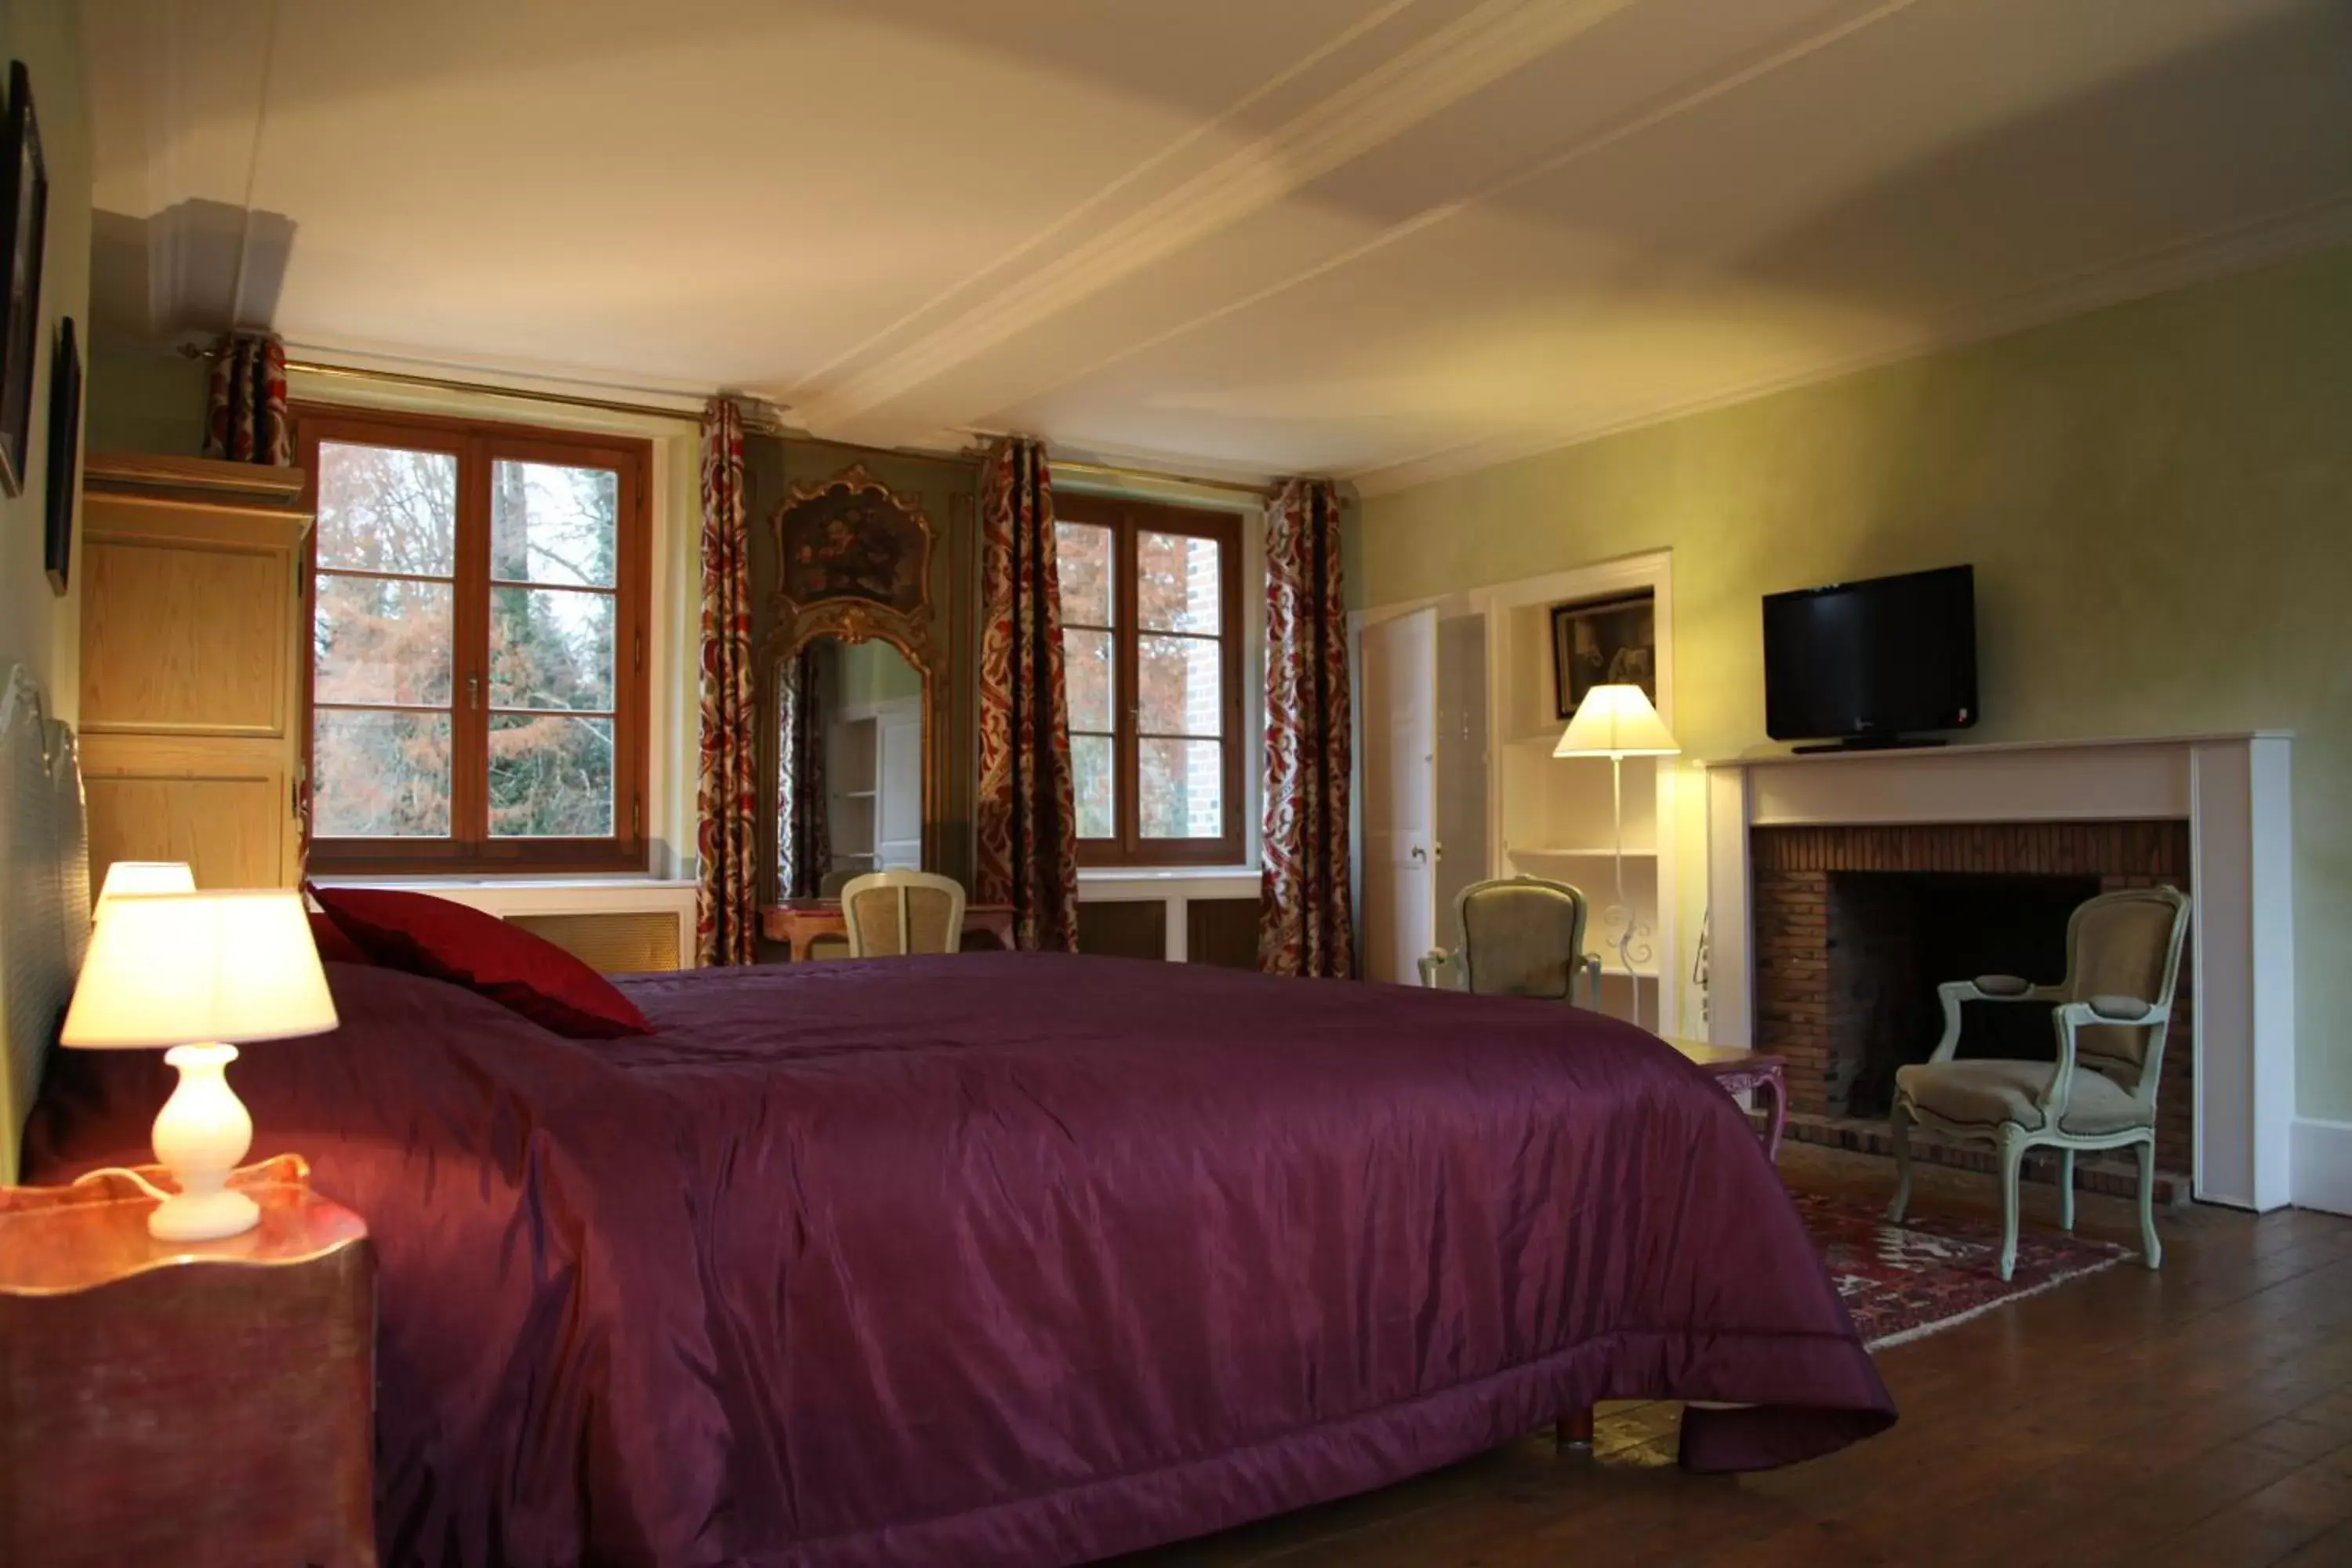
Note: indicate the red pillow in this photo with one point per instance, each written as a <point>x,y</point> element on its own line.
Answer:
<point>445,940</point>
<point>333,946</point>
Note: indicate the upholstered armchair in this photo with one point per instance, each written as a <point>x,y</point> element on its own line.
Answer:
<point>1521,936</point>
<point>891,914</point>
<point>2110,1015</point>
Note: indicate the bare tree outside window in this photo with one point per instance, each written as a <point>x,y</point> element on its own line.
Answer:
<point>477,686</point>
<point>1151,656</point>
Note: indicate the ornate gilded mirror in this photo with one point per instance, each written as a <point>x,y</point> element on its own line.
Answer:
<point>853,686</point>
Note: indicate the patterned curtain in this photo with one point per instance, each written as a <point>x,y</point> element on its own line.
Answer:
<point>803,847</point>
<point>1027,823</point>
<point>245,413</point>
<point>727,911</point>
<point>1303,909</point>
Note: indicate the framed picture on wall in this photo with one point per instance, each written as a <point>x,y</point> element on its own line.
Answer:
<point>65,456</point>
<point>1603,642</point>
<point>23,218</point>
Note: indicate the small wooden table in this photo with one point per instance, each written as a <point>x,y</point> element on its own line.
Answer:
<point>1740,1072</point>
<point>208,1404</point>
<point>800,923</point>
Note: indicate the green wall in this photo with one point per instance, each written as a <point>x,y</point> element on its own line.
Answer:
<point>145,398</point>
<point>40,628</point>
<point>873,673</point>
<point>2157,499</point>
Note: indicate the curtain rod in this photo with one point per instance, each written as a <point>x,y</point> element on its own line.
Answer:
<point>1156,476</point>
<point>762,417</point>
<point>446,384</point>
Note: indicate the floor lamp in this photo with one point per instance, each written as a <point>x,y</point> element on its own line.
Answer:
<point>1617,722</point>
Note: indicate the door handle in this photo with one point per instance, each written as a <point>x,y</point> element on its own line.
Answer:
<point>1419,853</point>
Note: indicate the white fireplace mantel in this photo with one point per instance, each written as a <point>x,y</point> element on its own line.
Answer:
<point>2233,790</point>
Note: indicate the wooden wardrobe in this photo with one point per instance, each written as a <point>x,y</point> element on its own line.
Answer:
<point>192,668</point>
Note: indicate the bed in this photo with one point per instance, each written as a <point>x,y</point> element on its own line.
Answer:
<point>1010,1258</point>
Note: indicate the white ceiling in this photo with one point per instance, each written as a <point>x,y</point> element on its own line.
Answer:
<point>1387,239</point>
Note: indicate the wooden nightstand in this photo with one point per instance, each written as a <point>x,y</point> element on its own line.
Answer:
<point>193,1405</point>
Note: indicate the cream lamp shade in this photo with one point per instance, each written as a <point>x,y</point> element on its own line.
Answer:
<point>1616,721</point>
<point>130,878</point>
<point>197,973</point>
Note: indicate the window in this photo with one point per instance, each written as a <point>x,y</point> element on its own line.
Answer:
<point>476,682</point>
<point>1152,651</point>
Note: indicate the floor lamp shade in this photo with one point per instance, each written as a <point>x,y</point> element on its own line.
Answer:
<point>1616,721</point>
<point>197,972</point>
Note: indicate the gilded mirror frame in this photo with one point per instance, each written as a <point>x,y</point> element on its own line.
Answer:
<point>853,618</point>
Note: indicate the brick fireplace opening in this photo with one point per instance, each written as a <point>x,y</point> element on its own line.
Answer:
<point>1855,927</point>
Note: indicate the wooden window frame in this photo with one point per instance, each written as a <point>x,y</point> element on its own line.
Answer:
<point>476,444</point>
<point>1128,519</point>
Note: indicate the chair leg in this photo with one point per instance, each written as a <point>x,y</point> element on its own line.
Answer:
<point>2066,1189</point>
<point>1901,1118</point>
<point>2012,1156</point>
<point>2148,1241</point>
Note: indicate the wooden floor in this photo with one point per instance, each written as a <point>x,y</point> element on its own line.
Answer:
<point>2200,1415</point>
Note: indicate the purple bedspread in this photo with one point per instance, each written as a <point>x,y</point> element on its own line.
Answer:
<point>1015,1258</point>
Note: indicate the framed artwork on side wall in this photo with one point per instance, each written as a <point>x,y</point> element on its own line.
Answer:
<point>1603,642</point>
<point>23,218</point>
<point>65,456</point>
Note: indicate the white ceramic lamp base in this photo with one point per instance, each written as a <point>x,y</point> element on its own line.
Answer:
<point>201,1135</point>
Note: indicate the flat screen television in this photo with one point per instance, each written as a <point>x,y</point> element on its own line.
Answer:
<point>1871,663</point>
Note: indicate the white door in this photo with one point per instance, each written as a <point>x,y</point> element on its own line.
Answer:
<point>1460,850</point>
<point>1400,717</point>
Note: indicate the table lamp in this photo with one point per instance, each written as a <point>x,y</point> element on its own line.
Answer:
<point>1617,722</point>
<point>127,878</point>
<point>197,972</point>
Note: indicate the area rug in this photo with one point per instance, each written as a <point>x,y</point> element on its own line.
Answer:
<point>1903,1282</point>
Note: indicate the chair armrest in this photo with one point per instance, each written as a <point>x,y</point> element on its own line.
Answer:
<point>2069,1016</point>
<point>1590,964</point>
<point>2000,988</point>
<point>2121,1010</point>
<point>1435,959</point>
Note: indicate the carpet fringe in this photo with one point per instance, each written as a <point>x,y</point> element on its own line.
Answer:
<point>1920,1332</point>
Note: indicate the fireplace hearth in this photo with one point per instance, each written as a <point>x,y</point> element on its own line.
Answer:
<point>1894,936</point>
<point>1856,927</point>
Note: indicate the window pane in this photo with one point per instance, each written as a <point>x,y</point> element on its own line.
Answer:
<point>379,775</point>
<point>554,524</point>
<point>381,639</point>
<point>550,647</point>
<point>1178,680</point>
<point>1084,556</point>
<point>1093,682</point>
<point>1178,584</point>
<point>385,509</point>
<point>1181,788</point>
<point>550,776</point>
<point>1098,803</point>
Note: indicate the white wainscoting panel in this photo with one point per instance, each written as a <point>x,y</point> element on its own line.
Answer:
<point>2322,1153</point>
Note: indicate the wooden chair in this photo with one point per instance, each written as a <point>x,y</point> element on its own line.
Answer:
<point>2111,1014</point>
<point>1521,936</point>
<point>894,913</point>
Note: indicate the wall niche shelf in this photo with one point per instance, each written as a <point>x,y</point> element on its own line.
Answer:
<point>1506,807</point>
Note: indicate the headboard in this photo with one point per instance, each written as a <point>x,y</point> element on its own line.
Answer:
<point>44,896</point>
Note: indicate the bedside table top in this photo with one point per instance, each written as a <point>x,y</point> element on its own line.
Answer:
<point>57,1240</point>
<point>1722,1058</point>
